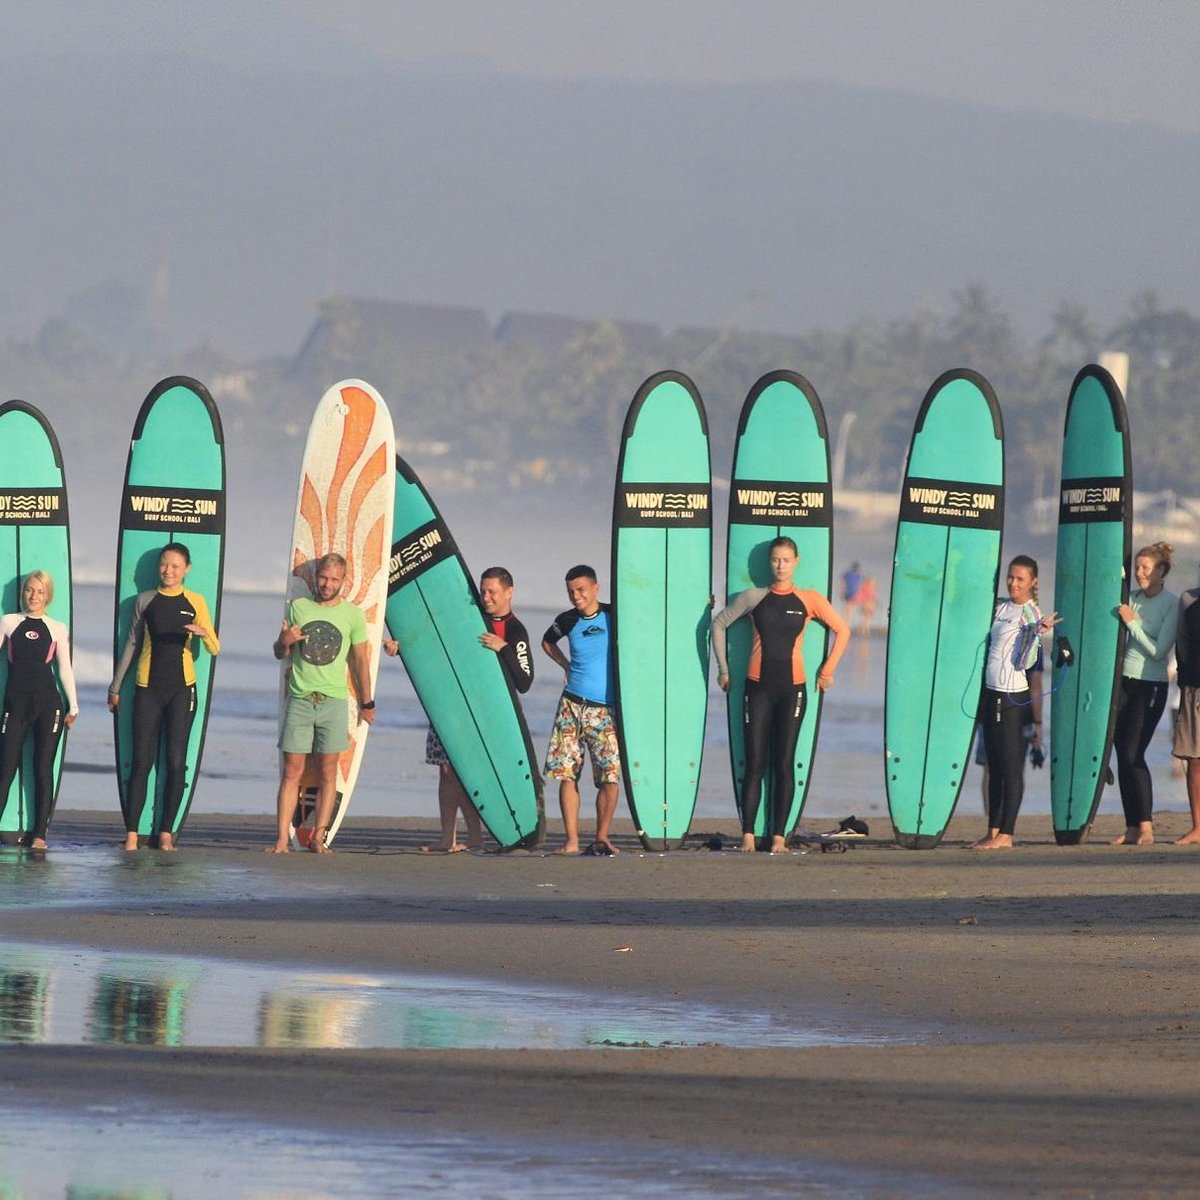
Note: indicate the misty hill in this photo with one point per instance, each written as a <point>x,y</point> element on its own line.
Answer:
<point>238,197</point>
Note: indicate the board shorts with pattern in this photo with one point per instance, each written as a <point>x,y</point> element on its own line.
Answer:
<point>579,724</point>
<point>435,752</point>
<point>1187,725</point>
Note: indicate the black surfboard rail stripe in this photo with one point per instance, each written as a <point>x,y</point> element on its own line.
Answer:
<point>193,385</point>
<point>948,377</point>
<point>799,382</point>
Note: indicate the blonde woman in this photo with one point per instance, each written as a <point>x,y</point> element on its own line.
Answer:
<point>34,644</point>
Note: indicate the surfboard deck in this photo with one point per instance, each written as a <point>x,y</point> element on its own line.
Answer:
<point>433,612</point>
<point>34,535</point>
<point>344,506</point>
<point>1095,518</point>
<point>780,487</point>
<point>662,600</point>
<point>174,491</point>
<point>944,580</point>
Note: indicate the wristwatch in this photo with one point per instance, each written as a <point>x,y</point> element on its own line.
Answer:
<point>367,704</point>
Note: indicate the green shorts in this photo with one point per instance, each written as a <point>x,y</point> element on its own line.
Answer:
<point>315,724</point>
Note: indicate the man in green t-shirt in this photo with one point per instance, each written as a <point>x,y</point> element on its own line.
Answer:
<point>323,636</point>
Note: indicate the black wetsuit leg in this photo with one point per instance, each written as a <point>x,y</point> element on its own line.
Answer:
<point>756,737</point>
<point>785,731</point>
<point>771,724</point>
<point>177,726</point>
<point>43,715</point>
<point>1003,717</point>
<point>13,727</point>
<point>1139,710</point>
<point>47,732</point>
<point>155,714</point>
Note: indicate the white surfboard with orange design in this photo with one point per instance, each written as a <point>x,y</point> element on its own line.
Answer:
<point>347,486</point>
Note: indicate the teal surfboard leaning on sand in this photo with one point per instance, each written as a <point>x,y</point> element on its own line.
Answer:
<point>780,487</point>
<point>944,579</point>
<point>433,612</point>
<point>174,492</point>
<point>1095,515</point>
<point>34,535</point>
<point>662,601</point>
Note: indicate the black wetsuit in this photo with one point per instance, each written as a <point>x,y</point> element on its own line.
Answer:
<point>31,702</point>
<point>773,709</point>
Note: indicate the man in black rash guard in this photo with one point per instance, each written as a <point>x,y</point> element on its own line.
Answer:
<point>510,640</point>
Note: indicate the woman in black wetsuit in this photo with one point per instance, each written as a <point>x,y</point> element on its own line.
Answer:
<point>33,643</point>
<point>776,691</point>
<point>164,623</point>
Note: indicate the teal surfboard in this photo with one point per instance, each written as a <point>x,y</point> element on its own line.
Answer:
<point>174,492</point>
<point>34,535</point>
<point>662,601</point>
<point>944,578</point>
<point>433,612</point>
<point>1095,515</point>
<point>779,488</point>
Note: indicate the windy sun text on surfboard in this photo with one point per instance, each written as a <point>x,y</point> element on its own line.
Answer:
<point>26,507</point>
<point>1100,499</point>
<point>424,548</point>
<point>938,502</point>
<point>642,505</point>
<point>766,503</point>
<point>193,509</point>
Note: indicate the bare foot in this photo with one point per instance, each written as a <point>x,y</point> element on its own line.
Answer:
<point>1145,835</point>
<point>611,848</point>
<point>38,844</point>
<point>438,848</point>
<point>1000,841</point>
<point>316,843</point>
<point>568,848</point>
<point>166,842</point>
<point>748,845</point>
<point>778,845</point>
<point>1128,838</point>
<point>283,847</point>
<point>131,841</point>
<point>1191,838</point>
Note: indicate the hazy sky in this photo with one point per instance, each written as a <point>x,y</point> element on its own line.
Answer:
<point>1108,59</point>
<point>1097,58</point>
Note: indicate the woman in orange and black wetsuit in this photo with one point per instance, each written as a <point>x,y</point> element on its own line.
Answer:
<point>776,691</point>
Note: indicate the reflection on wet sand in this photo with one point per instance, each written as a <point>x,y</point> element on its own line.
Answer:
<point>23,1000</point>
<point>138,1011</point>
<point>314,1020</point>
<point>70,996</point>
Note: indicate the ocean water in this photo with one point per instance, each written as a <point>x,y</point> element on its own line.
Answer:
<point>240,761</point>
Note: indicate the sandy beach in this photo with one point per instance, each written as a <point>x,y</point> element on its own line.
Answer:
<point>1036,1008</point>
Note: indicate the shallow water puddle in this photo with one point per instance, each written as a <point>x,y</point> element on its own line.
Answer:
<point>137,1153</point>
<point>74,995</point>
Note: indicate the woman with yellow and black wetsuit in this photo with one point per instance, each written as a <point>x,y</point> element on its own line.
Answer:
<point>160,635</point>
<point>776,691</point>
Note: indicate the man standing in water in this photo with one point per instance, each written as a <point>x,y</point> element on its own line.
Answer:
<point>323,635</point>
<point>584,717</point>
<point>510,640</point>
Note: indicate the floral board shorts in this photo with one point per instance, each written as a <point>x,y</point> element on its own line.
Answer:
<point>579,724</point>
<point>435,752</point>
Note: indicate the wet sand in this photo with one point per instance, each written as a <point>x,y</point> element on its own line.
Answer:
<point>1050,992</point>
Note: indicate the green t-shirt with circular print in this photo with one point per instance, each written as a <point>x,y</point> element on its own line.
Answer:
<point>319,662</point>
